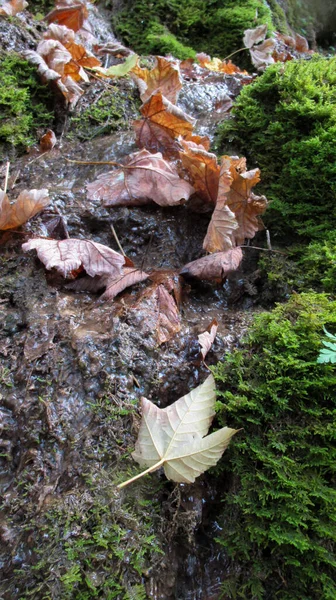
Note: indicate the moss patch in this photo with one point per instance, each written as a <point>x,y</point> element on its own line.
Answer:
<point>25,104</point>
<point>279,517</point>
<point>285,123</point>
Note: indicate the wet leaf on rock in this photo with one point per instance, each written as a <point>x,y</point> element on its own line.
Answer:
<point>12,8</point>
<point>207,338</point>
<point>215,266</point>
<point>223,221</point>
<point>203,169</point>
<point>114,284</point>
<point>28,204</point>
<point>144,177</point>
<point>175,437</point>
<point>164,78</point>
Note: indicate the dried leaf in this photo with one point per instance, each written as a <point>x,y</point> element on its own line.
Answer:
<point>207,338</point>
<point>301,44</point>
<point>215,266</point>
<point>254,36</point>
<point>71,13</point>
<point>159,312</point>
<point>28,204</point>
<point>173,437</point>
<point>164,78</point>
<point>48,141</point>
<point>61,33</point>
<point>203,169</point>
<point>130,276</point>
<point>144,177</point>
<point>71,254</point>
<point>218,65</point>
<point>13,7</point>
<point>223,221</point>
<point>118,70</point>
<point>245,205</point>
<point>163,122</point>
<point>261,55</point>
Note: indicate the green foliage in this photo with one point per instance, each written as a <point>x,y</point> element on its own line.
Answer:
<point>285,123</point>
<point>328,353</point>
<point>279,516</point>
<point>24,103</point>
<point>181,27</point>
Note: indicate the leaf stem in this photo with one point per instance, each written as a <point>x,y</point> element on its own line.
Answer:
<point>94,162</point>
<point>235,52</point>
<point>149,470</point>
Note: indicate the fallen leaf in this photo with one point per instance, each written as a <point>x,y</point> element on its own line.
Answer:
<point>159,312</point>
<point>162,123</point>
<point>81,57</point>
<point>13,7</point>
<point>203,169</point>
<point>223,221</point>
<point>164,78</point>
<point>27,205</point>
<point>198,140</point>
<point>301,44</point>
<point>48,141</point>
<point>61,33</point>
<point>71,13</point>
<point>215,266</point>
<point>261,55</point>
<point>144,177</point>
<point>114,48</point>
<point>246,206</point>
<point>72,254</point>
<point>118,70</point>
<point>218,65</point>
<point>207,338</point>
<point>254,36</point>
<point>114,284</point>
<point>173,437</point>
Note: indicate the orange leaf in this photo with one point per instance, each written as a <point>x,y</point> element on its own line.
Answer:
<point>164,78</point>
<point>48,141</point>
<point>203,169</point>
<point>28,204</point>
<point>68,13</point>
<point>223,221</point>
<point>218,65</point>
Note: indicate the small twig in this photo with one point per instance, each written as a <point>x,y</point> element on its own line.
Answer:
<point>268,240</point>
<point>37,158</point>
<point>117,240</point>
<point>265,249</point>
<point>6,177</point>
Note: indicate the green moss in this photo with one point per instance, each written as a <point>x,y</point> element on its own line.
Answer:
<point>285,123</point>
<point>278,519</point>
<point>182,27</point>
<point>25,104</point>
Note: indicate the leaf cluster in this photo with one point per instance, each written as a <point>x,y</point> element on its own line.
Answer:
<point>279,517</point>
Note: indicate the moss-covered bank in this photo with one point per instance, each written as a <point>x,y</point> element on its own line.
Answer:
<point>278,519</point>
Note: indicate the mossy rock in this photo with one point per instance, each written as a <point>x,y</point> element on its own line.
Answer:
<point>25,104</point>
<point>184,27</point>
<point>285,123</point>
<point>278,519</point>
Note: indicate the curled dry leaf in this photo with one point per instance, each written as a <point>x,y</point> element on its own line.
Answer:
<point>254,36</point>
<point>81,57</point>
<point>48,141</point>
<point>164,78</point>
<point>12,8</point>
<point>203,169</point>
<point>215,266</point>
<point>114,48</point>
<point>207,338</point>
<point>174,437</point>
<point>161,125</point>
<point>261,53</point>
<point>71,13</point>
<point>71,254</point>
<point>144,177</point>
<point>218,65</point>
<point>28,204</point>
<point>246,206</point>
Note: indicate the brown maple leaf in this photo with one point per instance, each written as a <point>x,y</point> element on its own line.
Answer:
<point>71,255</point>
<point>245,205</point>
<point>81,57</point>
<point>71,13</point>
<point>215,266</point>
<point>164,78</point>
<point>27,205</point>
<point>203,169</point>
<point>12,8</point>
<point>161,125</point>
<point>143,178</point>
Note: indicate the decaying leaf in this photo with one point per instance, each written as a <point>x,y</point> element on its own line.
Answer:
<point>48,141</point>
<point>215,266</point>
<point>118,70</point>
<point>71,13</point>
<point>113,285</point>
<point>161,125</point>
<point>164,78</point>
<point>203,169</point>
<point>254,36</point>
<point>218,65</point>
<point>207,338</point>
<point>301,44</point>
<point>28,204</point>
<point>261,53</point>
<point>223,221</point>
<point>12,8</point>
<point>174,437</point>
<point>72,254</point>
<point>246,206</point>
<point>144,177</point>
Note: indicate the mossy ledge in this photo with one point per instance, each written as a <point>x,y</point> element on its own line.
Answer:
<point>278,519</point>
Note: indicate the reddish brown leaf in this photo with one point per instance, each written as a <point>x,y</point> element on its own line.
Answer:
<point>71,13</point>
<point>207,338</point>
<point>301,44</point>
<point>159,313</point>
<point>215,266</point>
<point>48,141</point>
<point>223,221</point>
<point>245,205</point>
<point>81,57</point>
<point>145,177</point>
<point>162,123</point>
<point>114,286</point>
<point>164,78</point>
<point>12,8</point>
<point>72,254</point>
<point>28,204</point>
<point>203,169</point>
